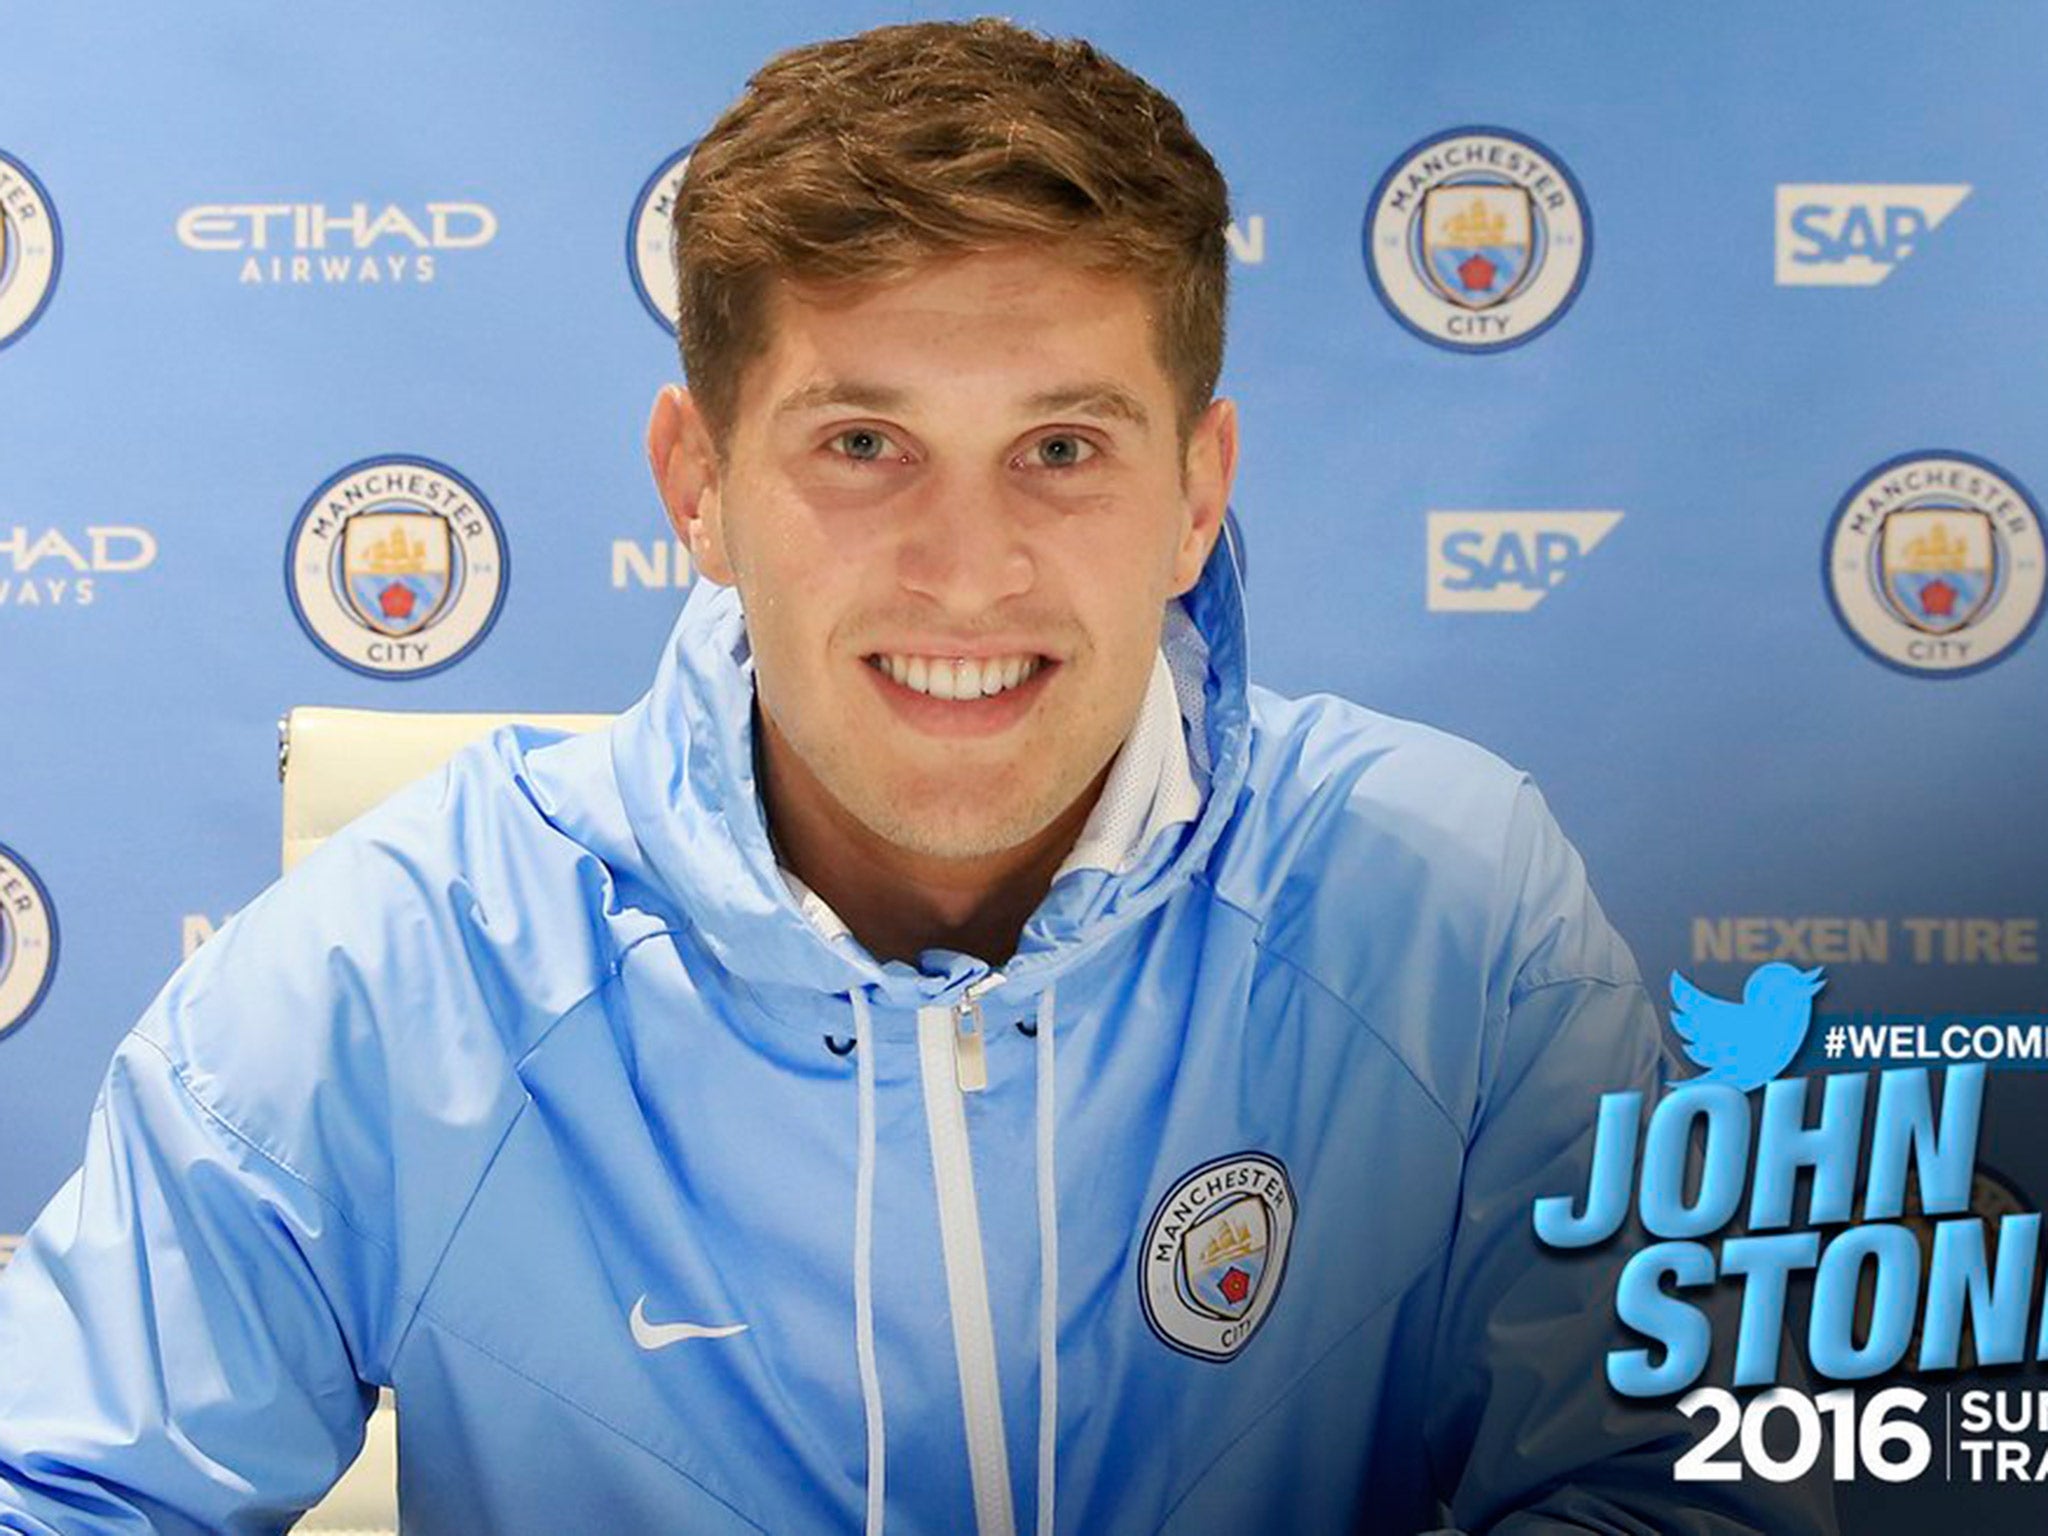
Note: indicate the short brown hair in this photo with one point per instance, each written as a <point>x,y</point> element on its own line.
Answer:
<point>852,160</point>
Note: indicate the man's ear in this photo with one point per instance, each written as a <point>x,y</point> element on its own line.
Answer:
<point>1208,470</point>
<point>684,460</point>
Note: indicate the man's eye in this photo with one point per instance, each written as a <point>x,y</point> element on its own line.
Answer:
<point>1064,450</point>
<point>863,444</point>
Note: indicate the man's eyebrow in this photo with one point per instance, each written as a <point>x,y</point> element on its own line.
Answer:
<point>1096,398</point>
<point>1111,401</point>
<point>837,394</point>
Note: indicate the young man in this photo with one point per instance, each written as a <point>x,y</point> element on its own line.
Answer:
<point>954,1056</point>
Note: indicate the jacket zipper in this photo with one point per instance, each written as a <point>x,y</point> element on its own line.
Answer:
<point>952,1062</point>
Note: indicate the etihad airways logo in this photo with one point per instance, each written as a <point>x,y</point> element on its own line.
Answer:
<point>1840,234</point>
<point>50,567</point>
<point>360,243</point>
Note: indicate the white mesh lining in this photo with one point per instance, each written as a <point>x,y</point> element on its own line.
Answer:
<point>1187,656</point>
<point>1150,788</point>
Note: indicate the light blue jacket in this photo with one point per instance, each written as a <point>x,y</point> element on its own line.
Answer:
<point>544,1059</point>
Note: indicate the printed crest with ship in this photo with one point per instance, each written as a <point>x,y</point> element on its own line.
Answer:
<point>1477,241</point>
<point>1937,565</point>
<point>397,569</point>
<point>1223,1257</point>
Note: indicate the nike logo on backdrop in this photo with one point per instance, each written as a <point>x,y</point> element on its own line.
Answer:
<point>660,1335</point>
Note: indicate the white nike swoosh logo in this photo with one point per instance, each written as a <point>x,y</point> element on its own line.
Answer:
<point>660,1335</point>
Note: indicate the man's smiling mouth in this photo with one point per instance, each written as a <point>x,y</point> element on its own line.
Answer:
<point>958,677</point>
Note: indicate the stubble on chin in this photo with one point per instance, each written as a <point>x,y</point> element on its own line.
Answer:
<point>980,813</point>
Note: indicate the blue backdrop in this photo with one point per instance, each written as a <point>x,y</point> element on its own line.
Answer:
<point>1652,394</point>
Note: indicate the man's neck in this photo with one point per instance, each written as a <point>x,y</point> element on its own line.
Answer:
<point>899,902</point>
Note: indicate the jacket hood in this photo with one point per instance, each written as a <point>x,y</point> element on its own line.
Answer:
<point>683,758</point>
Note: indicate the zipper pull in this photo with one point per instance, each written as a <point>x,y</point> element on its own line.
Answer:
<point>970,1049</point>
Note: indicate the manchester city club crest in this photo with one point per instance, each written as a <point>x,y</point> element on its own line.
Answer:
<point>31,249</point>
<point>397,567</point>
<point>1477,239</point>
<point>1215,1253</point>
<point>1934,564</point>
<point>28,940</point>
<point>1476,243</point>
<point>648,259</point>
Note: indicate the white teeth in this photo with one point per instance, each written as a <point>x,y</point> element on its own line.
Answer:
<point>959,677</point>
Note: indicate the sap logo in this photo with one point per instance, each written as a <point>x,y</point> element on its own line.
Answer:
<point>659,563</point>
<point>1507,562</point>
<point>1842,235</point>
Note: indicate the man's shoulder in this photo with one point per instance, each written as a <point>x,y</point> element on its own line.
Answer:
<point>485,846</point>
<point>1417,878</point>
<point>359,1028</point>
<point>1363,843</point>
<point>1322,768</point>
<point>460,916</point>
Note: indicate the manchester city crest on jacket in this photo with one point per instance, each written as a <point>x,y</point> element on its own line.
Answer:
<point>1215,1253</point>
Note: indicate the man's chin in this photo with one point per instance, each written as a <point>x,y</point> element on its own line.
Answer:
<point>958,839</point>
<point>957,829</point>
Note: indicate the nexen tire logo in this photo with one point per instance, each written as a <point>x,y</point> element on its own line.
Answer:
<point>1507,562</point>
<point>1843,235</point>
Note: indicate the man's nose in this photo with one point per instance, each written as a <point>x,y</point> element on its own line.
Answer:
<point>965,543</point>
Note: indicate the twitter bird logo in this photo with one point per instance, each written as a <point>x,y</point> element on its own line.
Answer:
<point>1749,1042</point>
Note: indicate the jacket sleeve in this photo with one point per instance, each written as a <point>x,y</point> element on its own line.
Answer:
<point>178,1329</point>
<point>1524,1432</point>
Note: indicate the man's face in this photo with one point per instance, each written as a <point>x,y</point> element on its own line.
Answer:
<point>955,504</point>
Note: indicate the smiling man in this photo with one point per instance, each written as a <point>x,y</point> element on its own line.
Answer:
<point>955,1056</point>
